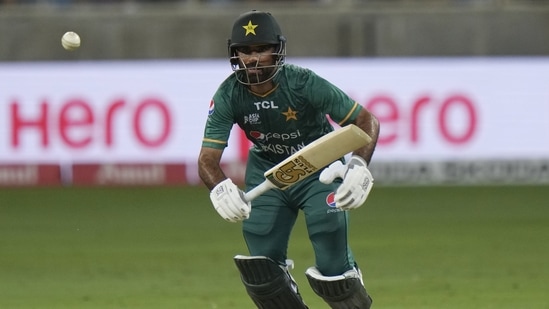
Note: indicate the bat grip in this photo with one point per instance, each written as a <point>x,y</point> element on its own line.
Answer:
<point>257,191</point>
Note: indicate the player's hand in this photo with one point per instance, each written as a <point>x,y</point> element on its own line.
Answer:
<point>228,201</point>
<point>357,182</point>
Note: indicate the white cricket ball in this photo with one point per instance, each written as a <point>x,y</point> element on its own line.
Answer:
<point>70,41</point>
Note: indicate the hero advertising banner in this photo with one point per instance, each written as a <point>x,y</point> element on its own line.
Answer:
<point>456,110</point>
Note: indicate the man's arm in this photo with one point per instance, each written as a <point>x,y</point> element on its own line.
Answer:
<point>369,124</point>
<point>227,198</point>
<point>209,168</point>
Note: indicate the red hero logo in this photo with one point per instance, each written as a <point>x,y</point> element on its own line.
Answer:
<point>79,124</point>
<point>425,115</point>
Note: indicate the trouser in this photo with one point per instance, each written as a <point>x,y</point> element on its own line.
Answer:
<point>274,214</point>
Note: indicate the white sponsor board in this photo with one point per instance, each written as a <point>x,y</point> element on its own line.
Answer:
<point>106,111</point>
<point>431,109</point>
<point>440,109</point>
<point>463,172</point>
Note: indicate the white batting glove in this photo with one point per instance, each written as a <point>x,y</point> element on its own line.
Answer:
<point>357,182</point>
<point>228,201</point>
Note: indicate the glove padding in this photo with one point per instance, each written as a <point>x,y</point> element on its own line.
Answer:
<point>228,200</point>
<point>357,182</point>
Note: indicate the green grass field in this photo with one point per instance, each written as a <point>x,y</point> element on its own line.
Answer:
<point>164,248</point>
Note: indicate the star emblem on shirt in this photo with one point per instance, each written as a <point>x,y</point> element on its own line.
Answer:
<point>250,28</point>
<point>290,114</point>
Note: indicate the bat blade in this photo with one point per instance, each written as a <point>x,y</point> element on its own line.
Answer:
<point>311,159</point>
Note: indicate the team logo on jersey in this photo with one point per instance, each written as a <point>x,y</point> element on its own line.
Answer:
<point>211,108</point>
<point>250,28</point>
<point>252,119</point>
<point>330,200</point>
<point>290,114</point>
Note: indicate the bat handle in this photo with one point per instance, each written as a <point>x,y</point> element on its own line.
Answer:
<point>257,191</point>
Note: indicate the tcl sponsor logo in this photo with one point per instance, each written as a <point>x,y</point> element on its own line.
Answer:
<point>265,105</point>
<point>454,118</point>
<point>79,124</point>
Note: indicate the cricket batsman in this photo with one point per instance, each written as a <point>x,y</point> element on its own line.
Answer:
<point>282,108</point>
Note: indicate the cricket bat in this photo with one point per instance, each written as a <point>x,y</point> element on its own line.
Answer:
<point>311,159</point>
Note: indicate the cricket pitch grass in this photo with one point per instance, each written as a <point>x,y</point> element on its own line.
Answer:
<point>166,248</point>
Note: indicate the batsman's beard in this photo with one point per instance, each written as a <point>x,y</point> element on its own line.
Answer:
<point>253,74</point>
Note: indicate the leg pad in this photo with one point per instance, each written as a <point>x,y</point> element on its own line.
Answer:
<point>268,284</point>
<point>340,292</point>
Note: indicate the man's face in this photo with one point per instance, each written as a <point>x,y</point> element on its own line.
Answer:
<point>258,60</point>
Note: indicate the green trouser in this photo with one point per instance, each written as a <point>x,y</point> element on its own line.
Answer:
<point>274,214</point>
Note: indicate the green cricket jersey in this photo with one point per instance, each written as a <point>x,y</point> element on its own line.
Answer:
<point>282,121</point>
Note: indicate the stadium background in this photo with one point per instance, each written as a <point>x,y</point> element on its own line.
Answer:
<point>147,238</point>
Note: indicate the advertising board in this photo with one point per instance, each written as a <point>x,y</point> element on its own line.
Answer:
<point>434,110</point>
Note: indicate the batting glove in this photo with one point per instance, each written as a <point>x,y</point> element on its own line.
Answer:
<point>228,201</point>
<point>357,182</point>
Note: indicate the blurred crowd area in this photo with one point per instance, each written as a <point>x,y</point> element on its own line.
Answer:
<point>152,2</point>
<point>68,2</point>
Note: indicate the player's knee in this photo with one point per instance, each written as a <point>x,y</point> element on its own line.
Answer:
<point>331,251</point>
<point>340,292</point>
<point>332,269</point>
<point>268,284</point>
<point>332,262</point>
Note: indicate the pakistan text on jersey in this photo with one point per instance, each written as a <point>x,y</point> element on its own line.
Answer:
<point>282,149</point>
